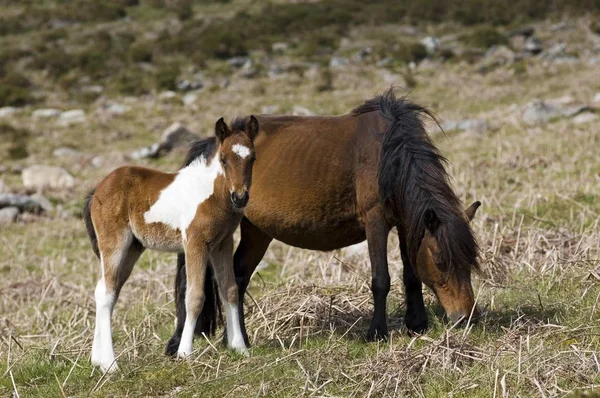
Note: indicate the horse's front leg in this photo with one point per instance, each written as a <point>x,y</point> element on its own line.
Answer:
<point>377,232</point>
<point>196,257</point>
<point>222,258</point>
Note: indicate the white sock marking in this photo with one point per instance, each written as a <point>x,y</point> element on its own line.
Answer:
<point>186,344</point>
<point>102,347</point>
<point>177,204</point>
<point>241,150</point>
<point>235,339</point>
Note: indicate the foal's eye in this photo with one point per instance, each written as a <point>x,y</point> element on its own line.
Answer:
<point>223,161</point>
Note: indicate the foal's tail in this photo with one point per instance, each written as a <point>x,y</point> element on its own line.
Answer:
<point>211,311</point>
<point>89,225</point>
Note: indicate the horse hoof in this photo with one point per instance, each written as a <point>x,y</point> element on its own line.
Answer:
<point>374,335</point>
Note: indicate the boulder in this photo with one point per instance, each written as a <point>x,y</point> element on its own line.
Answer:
<point>72,116</point>
<point>8,215</point>
<point>45,113</point>
<point>116,109</point>
<point>174,136</point>
<point>431,43</point>
<point>188,85</point>
<point>540,112</point>
<point>533,45</point>
<point>7,111</point>
<point>474,125</point>
<point>238,62</point>
<point>189,99</point>
<point>280,47</point>
<point>65,152</point>
<point>23,203</point>
<point>39,177</point>
<point>338,62</point>
<point>585,117</point>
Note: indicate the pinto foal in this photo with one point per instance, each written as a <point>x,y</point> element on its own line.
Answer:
<point>194,211</point>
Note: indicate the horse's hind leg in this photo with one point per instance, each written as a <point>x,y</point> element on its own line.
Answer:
<point>117,256</point>
<point>223,268</point>
<point>377,232</point>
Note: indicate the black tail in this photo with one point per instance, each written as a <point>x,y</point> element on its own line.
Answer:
<point>211,311</point>
<point>413,181</point>
<point>89,225</point>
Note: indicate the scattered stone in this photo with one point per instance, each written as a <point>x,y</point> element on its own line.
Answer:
<point>112,159</point>
<point>585,117</point>
<point>338,62</point>
<point>92,89</point>
<point>46,113</point>
<point>7,111</point>
<point>563,25</point>
<point>363,54</point>
<point>147,152</point>
<point>39,177</point>
<point>238,62</point>
<point>65,152</point>
<point>280,47</point>
<point>176,135</point>
<point>473,125</point>
<point>248,72</point>
<point>275,69</point>
<point>116,109</point>
<point>224,83</point>
<point>189,98</point>
<point>3,187</point>
<point>72,116</point>
<point>8,215</point>
<point>21,202</point>
<point>301,111</point>
<point>557,54</point>
<point>496,56</point>
<point>597,98</point>
<point>533,45</point>
<point>431,43</point>
<point>387,61</point>
<point>188,85</point>
<point>167,95</point>
<point>539,112</point>
<point>43,202</point>
<point>270,109</point>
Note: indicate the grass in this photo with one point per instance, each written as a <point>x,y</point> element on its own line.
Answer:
<point>307,312</point>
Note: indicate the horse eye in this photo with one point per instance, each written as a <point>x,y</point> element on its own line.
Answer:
<point>223,161</point>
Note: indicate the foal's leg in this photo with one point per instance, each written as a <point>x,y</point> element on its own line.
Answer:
<point>377,232</point>
<point>223,268</point>
<point>416,317</point>
<point>117,259</point>
<point>196,257</point>
<point>251,249</point>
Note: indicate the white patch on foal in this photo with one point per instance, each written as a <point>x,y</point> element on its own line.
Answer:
<point>177,204</point>
<point>235,339</point>
<point>241,150</point>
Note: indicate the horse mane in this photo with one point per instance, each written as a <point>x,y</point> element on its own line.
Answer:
<point>205,147</point>
<point>413,181</point>
<point>238,124</point>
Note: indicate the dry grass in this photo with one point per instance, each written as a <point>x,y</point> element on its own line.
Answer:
<point>307,311</point>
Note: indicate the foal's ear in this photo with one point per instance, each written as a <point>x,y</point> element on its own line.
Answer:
<point>252,127</point>
<point>221,130</point>
<point>471,210</point>
<point>431,220</point>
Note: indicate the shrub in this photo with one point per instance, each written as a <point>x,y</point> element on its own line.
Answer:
<point>166,76</point>
<point>484,37</point>
<point>16,139</point>
<point>14,89</point>
<point>131,81</point>
<point>56,61</point>
<point>141,51</point>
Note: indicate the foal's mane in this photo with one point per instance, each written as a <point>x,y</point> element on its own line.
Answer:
<point>413,181</point>
<point>208,146</point>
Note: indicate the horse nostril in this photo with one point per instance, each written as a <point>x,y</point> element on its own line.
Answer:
<point>233,197</point>
<point>245,197</point>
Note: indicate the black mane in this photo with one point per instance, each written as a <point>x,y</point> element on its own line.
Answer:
<point>413,181</point>
<point>205,147</point>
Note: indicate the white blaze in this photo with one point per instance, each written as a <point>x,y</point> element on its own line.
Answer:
<point>176,206</point>
<point>241,150</point>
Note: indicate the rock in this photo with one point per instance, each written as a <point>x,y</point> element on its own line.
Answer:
<point>146,152</point>
<point>539,112</point>
<point>8,215</point>
<point>39,177</point>
<point>275,69</point>
<point>46,113</point>
<point>112,159</point>
<point>238,62</point>
<point>65,152</point>
<point>280,47</point>
<point>7,111</point>
<point>431,43</point>
<point>585,117</point>
<point>269,109</point>
<point>43,202</point>
<point>496,56</point>
<point>167,95</point>
<point>224,83</point>
<point>596,98</point>
<point>116,109</point>
<point>3,187</point>
<point>363,54</point>
<point>188,85</point>
<point>174,136</point>
<point>72,116</point>
<point>383,62</point>
<point>533,45</point>
<point>301,111</point>
<point>92,89</point>
<point>563,25</point>
<point>189,98</point>
<point>338,62</point>
<point>474,125</point>
<point>249,73</point>
<point>21,202</point>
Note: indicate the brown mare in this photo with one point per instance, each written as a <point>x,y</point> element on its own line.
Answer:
<point>326,182</point>
<point>194,211</point>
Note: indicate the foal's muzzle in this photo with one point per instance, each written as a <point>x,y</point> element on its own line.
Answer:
<point>240,201</point>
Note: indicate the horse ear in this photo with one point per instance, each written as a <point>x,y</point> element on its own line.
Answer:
<point>252,127</point>
<point>471,210</point>
<point>431,220</point>
<point>221,130</point>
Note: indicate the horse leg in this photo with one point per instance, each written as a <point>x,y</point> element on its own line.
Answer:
<point>416,317</point>
<point>377,232</point>
<point>250,251</point>
<point>223,268</point>
<point>117,260</point>
<point>196,257</point>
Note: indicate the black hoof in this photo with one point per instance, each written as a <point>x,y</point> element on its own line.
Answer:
<point>416,324</point>
<point>376,335</point>
<point>173,345</point>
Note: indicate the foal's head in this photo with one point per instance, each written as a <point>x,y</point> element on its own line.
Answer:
<point>236,154</point>
<point>451,284</point>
